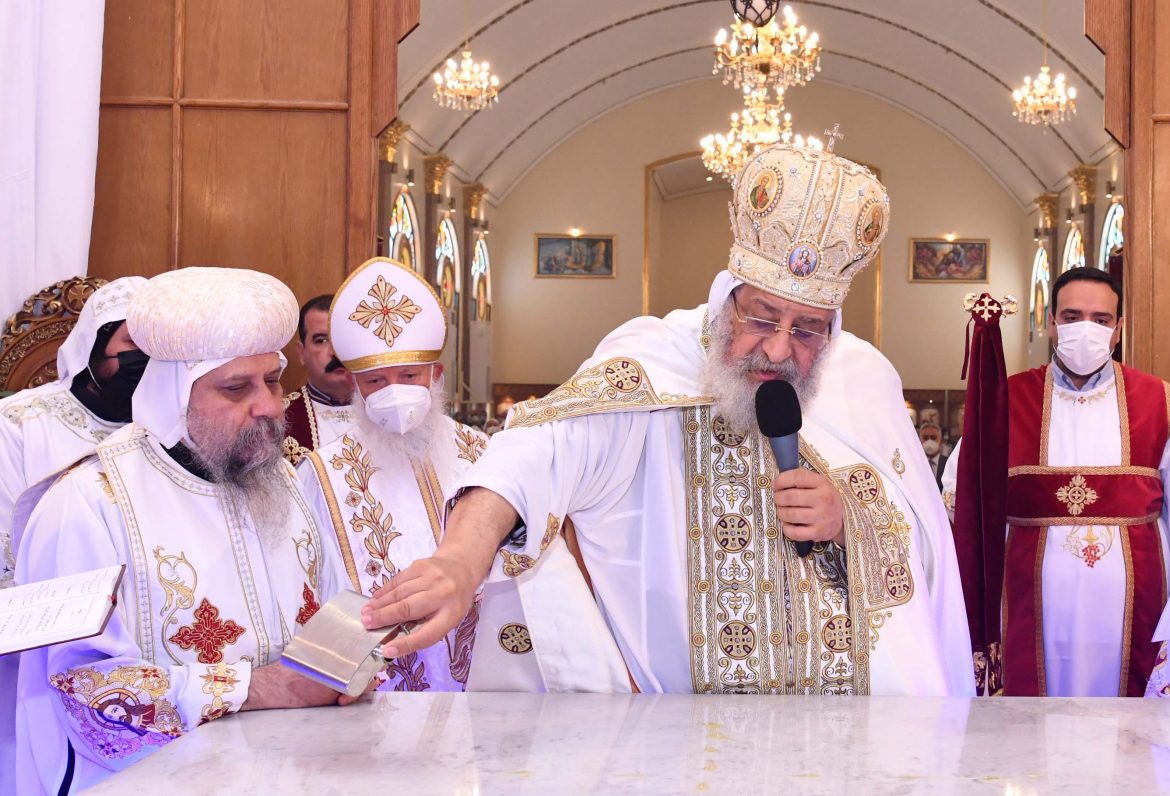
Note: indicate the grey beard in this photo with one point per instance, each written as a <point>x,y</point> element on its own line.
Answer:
<point>727,379</point>
<point>249,469</point>
<point>415,444</point>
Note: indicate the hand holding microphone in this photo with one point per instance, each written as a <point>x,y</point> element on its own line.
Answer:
<point>806,502</point>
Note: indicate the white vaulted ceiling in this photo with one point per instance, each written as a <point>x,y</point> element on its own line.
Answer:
<point>564,63</point>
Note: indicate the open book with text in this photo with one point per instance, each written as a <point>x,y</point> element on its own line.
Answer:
<point>62,609</point>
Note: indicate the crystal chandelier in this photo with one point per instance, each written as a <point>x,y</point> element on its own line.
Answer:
<point>466,86</point>
<point>760,124</point>
<point>1045,100</point>
<point>772,56</point>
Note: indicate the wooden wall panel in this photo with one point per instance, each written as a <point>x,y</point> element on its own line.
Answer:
<point>266,49</point>
<point>132,206</point>
<point>243,133</point>
<point>137,48</point>
<point>266,190</point>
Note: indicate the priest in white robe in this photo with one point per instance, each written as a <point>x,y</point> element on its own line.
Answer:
<point>379,491</point>
<point>658,549</point>
<point>45,429</point>
<point>223,559</point>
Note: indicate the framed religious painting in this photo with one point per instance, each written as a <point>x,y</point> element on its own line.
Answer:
<point>581,257</point>
<point>938,260</point>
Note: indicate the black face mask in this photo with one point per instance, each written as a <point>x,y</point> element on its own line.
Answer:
<point>116,392</point>
<point>131,365</point>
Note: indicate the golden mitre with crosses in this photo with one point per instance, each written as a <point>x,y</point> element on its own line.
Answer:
<point>385,314</point>
<point>805,223</point>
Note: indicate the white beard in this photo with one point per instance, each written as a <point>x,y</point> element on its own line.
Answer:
<point>734,391</point>
<point>415,444</point>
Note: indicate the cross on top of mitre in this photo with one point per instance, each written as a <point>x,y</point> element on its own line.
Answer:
<point>983,307</point>
<point>833,134</point>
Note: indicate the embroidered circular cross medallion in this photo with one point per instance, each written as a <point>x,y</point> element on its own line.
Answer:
<point>803,260</point>
<point>837,633</point>
<point>732,532</point>
<point>871,223</point>
<point>623,376</point>
<point>726,434</point>
<point>864,483</point>
<point>898,582</point>
<point>764,192</point>
<point>514,638</point>
<point>737,640</point>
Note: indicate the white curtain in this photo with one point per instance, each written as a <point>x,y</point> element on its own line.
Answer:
<point>50,80</point>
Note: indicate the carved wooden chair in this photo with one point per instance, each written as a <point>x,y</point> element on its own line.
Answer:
<point>31,337</point>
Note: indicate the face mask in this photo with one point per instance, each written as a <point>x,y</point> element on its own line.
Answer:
<point>1083,347</point>
<point>399,408</point>
<point>114,395</point>
<point>930,446</point>
<point>131,366</point>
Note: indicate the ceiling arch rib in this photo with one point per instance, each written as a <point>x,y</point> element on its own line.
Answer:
<point>914,64</point>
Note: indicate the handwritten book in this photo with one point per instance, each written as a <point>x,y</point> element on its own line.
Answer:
<point>58,610</point>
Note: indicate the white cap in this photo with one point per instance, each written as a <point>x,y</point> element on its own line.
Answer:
<point>385,314</point>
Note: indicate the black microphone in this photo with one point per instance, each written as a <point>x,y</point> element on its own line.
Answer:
<point>778,413</point>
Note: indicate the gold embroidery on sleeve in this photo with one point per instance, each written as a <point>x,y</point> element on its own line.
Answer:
<point>119,713</point>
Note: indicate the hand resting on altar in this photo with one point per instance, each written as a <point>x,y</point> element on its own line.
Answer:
<point>437,592</point>
<point>276,686</point>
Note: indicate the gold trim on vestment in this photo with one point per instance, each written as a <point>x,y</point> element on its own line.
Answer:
<point>617,384</point>
<point>335,515</point>
<point>1046,418</point>
<point>431,493</point>
<point>1034,522</point>
<point>1123,414</point>
<point>762,618</point>
<point>1033,469</point>
<point>1038,579</point>
<point>1127,616</point>
<point>391,359</point>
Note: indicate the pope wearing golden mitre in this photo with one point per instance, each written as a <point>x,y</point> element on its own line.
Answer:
<point>633,529</point>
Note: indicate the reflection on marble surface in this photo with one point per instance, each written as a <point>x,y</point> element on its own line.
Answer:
<point>650,744</point>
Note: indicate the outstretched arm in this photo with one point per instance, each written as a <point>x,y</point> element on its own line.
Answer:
<point>438,591</point>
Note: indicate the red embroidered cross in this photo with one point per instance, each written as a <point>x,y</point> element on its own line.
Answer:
<point>208,635</point>
<point>310,607</point>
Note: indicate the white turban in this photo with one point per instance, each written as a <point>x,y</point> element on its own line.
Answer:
<point>107,304</point>
<point>194,320</point>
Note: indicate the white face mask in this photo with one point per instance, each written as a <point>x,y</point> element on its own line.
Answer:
<point>399,408</point>
<point>930,446</point>
<point>1084,347</point>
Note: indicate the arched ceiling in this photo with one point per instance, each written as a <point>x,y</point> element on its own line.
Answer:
<point>564,63</point>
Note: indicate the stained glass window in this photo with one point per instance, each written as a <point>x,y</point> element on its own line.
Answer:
<point>1112,234</point>
<point>403,224</point>
<point>1038,303</point>
<point>1074,249</point>
<point>481,281</point>
<point>447,257</point>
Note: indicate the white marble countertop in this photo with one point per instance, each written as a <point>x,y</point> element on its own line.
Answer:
<point>645,744</point>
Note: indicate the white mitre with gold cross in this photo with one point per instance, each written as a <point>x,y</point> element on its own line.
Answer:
<point>385,314</point>
<point>805,223</point>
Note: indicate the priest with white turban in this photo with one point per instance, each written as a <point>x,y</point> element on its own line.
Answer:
<point>659,548</point>
<point>223,559</point>
<point>378,492</point>
<point>47,428</point>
